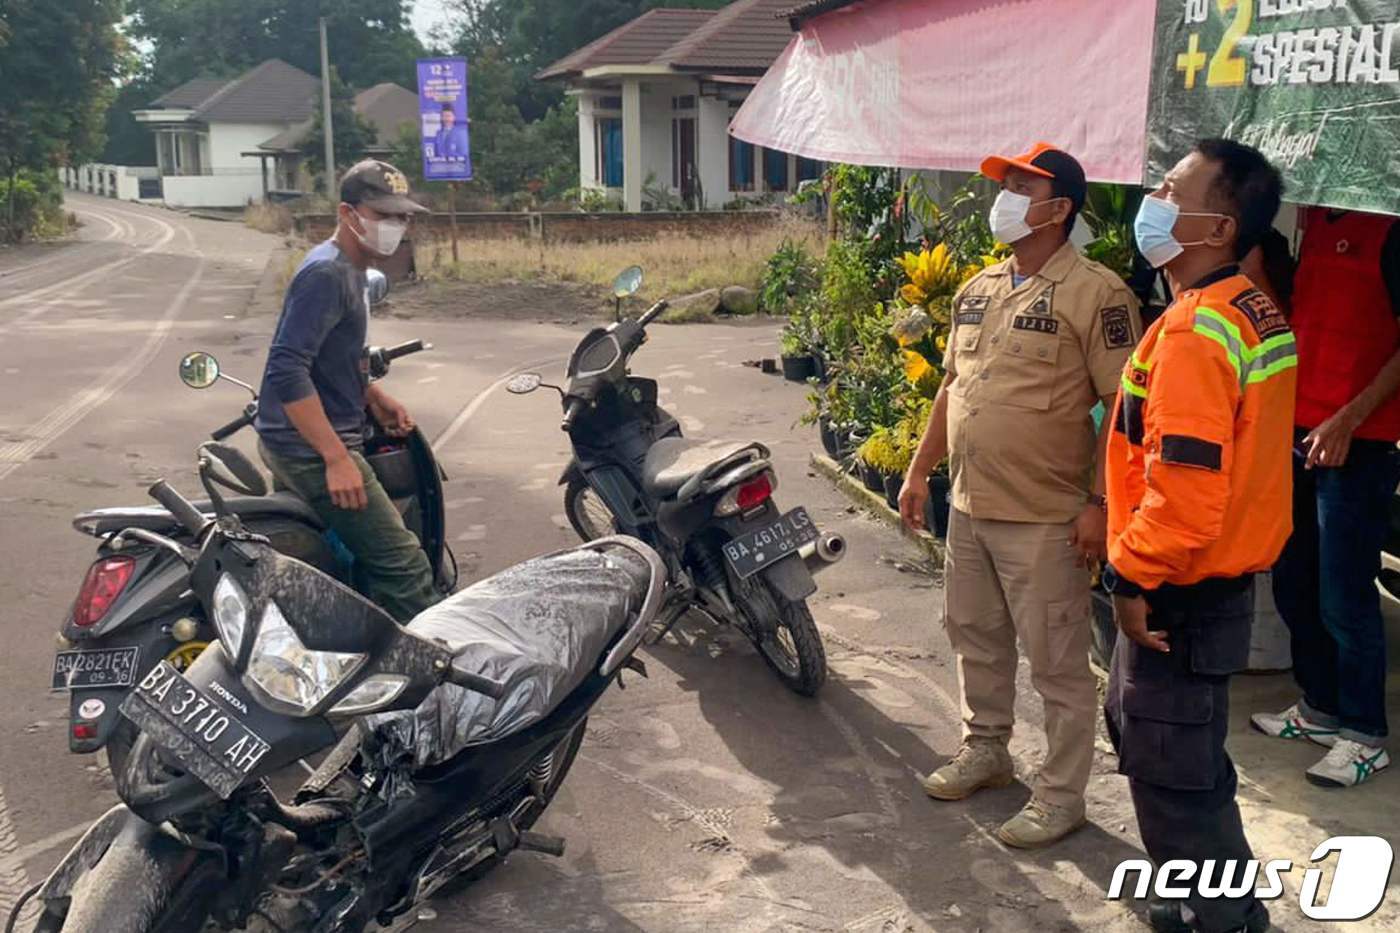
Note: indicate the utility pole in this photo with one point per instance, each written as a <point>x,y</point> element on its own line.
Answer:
<point>326,128</point>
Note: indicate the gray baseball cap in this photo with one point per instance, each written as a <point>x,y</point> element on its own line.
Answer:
<point>378,185</point>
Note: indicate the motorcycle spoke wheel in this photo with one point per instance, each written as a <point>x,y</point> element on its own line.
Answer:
<point>787,638</point>
<point>588,514</point>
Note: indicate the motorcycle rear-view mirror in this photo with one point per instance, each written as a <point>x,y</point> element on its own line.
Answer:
<point>524,383</point>
<point>228,467</point>
<point>378,286</point>
<point>199,370</point>
<point>627,282</point>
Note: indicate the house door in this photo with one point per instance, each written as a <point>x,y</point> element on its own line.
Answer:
<point>683,172</point>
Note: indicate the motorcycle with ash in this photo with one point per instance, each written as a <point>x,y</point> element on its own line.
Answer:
<point>706,507</point>
<point>447,737</point>
<point>135,607</point>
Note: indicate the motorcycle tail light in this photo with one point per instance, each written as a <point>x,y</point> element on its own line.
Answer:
<point>84,731</point>
<point>750,494</point>
<point>104,582</point>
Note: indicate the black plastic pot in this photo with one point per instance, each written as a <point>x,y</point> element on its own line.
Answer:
<point>831,441</point>
<point>894,482</point>
<point>937,507</point>
<point>798,368</point>
<point>873,479</point>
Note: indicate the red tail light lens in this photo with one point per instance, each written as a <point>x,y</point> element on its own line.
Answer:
<point>103,584</point>
<point>755,492</point>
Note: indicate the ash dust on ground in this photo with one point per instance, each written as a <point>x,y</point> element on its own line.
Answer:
<point>551,302</point>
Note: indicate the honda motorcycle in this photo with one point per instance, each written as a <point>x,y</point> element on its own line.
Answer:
<point>706,507</point>
<point>135,608</point>
<point>448,737</point>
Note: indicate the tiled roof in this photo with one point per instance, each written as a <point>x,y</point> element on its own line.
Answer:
<point>638,42</point>
<point>273,92</point>
<point>747,35</point>
<point>190,94</point>
<point>387,107</point>
<point>805,11</point>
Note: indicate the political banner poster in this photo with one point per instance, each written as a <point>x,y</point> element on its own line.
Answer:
<point>442,108</point>
<point>1313,84</point>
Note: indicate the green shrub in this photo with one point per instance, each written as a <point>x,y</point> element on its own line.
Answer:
<point>31,206</point>
<point>790,274</point>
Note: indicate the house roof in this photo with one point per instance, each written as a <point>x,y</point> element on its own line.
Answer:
<point>387,107</point>
<point>747,35</point>
<point>273,92</point>
<point>638,42</point>
<point>797,15</point>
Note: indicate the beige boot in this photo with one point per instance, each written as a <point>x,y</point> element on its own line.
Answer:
<point>979,763</point>
<point>1040,823</point>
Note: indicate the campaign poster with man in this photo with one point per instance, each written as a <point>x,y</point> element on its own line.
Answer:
<point>442,107</point>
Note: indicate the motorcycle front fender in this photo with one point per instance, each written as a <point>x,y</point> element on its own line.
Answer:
<point>571,472</point>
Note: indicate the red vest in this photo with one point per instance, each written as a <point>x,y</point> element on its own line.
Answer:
<point>1343,320</point>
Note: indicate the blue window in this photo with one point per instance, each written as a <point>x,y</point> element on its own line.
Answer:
<point>607,139</point>
<point>808,169</point>
<point>775,170</point>
<point>741,175</point>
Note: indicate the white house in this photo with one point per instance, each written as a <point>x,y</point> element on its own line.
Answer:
<point>655,97</point>
<point>205,127</point>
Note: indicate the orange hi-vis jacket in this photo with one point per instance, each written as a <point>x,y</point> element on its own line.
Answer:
<point>1200,470</point>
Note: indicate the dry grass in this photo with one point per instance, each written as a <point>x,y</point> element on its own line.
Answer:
<point>268,218</point>
<point>675,263</point>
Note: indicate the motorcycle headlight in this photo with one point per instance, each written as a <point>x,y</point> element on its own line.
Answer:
<point>230,613</point>
<point>289,673</point>
<point>372,694</point>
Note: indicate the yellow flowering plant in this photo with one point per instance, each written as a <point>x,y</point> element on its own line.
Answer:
<point>934,277</point>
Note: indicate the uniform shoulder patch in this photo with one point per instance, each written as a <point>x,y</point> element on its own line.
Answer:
<point>971,309</point>
<point>1266,317</point>
<point>1044,305</point>
<point>1117,327</point>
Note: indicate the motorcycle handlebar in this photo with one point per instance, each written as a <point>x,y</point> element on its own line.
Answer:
<point>570,413</point>
<point>653,312</point>
<point>177,505</point>
<point>233,427</point>
<point>403,349</point>
<point>476,683</point>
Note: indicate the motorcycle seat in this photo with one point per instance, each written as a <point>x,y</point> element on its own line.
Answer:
<point>672,461</point>
<point>541,627</point>
<point>154,518</point>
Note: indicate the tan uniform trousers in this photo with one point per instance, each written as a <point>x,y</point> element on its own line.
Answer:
<point>1009,580</point>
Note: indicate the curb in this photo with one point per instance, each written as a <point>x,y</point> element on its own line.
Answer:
<point>875,506</point>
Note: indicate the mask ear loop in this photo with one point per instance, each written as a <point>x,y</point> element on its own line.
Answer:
<point>1181,214</point>
<point>1046,201</point>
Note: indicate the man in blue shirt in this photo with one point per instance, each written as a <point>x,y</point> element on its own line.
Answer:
<point>451,141</point>
<point>316,388</point>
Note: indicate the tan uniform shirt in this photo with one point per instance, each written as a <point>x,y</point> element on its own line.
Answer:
<point>1030,363</point>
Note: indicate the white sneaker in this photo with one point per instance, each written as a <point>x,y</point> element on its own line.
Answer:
<point>1349,763</point>
<point>1291,724</point>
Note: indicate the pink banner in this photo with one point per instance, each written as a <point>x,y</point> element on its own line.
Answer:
<point>939,84</point>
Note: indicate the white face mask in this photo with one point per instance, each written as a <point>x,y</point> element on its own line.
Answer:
<point>381,237</point>
<point>1008,216</point>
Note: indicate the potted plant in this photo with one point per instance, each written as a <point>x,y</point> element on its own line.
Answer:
<point>798,365</point>
<point>876,458</point>
<point>936,510</point>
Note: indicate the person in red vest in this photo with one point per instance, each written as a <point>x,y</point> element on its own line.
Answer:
<point>1346,299</point>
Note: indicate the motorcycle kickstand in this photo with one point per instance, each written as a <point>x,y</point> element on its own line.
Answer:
<point>660,631</point>
<point>507,838</point>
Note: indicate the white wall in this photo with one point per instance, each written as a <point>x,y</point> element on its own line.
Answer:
<point>219,190</point>
<point>122,182</point>
<point>712,150</point>
<point>587,167</point>
<point>228,142</point>
<point>656,134</point>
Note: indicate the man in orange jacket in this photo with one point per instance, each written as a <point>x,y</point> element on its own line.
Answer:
<point>1199,500</point>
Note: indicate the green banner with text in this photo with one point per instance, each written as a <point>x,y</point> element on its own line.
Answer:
<point>1313,84</point>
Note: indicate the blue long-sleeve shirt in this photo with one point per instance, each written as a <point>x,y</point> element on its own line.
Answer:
<point>318,348</point>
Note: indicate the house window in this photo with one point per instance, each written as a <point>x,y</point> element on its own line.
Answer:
<point>775,170</point>
<point>609,103</point>
<point>741,176</point>
<point>683,103</point>
<point>607,144</point>
<point>808,169</point>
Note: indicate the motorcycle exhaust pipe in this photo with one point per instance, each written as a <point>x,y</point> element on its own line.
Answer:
<point>823,552</point>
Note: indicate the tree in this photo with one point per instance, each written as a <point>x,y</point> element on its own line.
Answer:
<point>58,65</point>
<point>349,131</point>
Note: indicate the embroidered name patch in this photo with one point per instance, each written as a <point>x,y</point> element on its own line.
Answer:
<point>968,317</point>
<point>1039,325</point>
<point>1268,320</point>
<point>1117,327</point>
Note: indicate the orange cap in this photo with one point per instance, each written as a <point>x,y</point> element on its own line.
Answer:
<point>996,167</point>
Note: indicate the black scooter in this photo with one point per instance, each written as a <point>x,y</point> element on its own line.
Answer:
<point>707,507</point>
<point>458,730</point>
<point>135,607</point>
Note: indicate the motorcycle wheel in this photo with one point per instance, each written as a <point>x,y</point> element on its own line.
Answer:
<point>786,636</point>
<point>588,514</point>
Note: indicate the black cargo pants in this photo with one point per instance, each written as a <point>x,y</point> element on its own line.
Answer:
<point>1168,715</point>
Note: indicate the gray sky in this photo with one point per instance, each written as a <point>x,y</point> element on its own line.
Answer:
<point>427,14</point>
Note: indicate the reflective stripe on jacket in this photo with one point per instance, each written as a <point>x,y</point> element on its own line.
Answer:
<point>1200,473</point>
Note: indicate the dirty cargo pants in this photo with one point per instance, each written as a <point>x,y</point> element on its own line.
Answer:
<point>1010,580</point>
<point>389,561</point>
<point>1168,715</point>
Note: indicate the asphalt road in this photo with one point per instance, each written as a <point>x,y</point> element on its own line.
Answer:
<point>706,797</point>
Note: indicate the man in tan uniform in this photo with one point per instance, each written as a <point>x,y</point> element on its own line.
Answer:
<point>1036,341</point>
